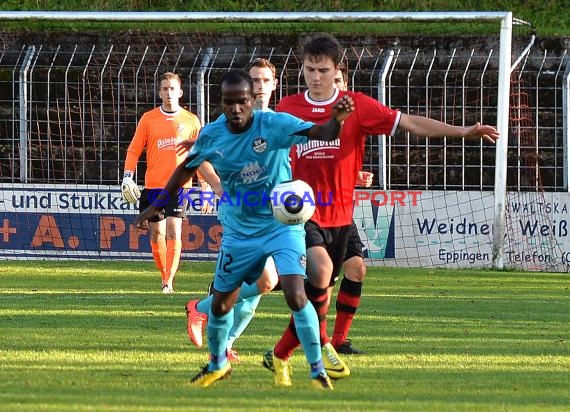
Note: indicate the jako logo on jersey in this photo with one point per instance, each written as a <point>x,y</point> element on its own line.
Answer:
<point>251,172</point>
<point>318,110</point>
<point>314,145</point>
<point>259,145</point>
<point>168,143</point>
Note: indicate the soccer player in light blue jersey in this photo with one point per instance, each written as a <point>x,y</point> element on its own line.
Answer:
<point>250,152</point>
<point>263,74</point>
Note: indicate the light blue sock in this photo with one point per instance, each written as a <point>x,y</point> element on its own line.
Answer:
<point>205,304</point>
<point>248,291</point>
<point>218,328</point>
<point>307,327</point>
<point>243,314</point>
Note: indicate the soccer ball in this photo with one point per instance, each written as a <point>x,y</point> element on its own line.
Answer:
<point>292,202</point>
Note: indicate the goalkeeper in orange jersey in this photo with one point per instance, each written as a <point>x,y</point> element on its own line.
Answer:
<point>166,132</point>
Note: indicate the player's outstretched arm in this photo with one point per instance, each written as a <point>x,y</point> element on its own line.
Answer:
<point>482,131</point>
<point>329,130</point>
<point>424,126</point>
<point>180,175</point>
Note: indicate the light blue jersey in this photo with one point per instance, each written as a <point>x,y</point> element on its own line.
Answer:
<point>249,164</point>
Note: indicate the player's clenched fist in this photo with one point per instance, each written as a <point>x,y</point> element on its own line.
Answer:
<point>343,108</point>
<point>141,220</point>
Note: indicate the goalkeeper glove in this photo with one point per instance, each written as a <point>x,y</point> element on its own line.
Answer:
<point>129,188</point>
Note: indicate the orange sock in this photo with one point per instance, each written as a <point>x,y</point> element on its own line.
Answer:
<point>159,256</point>
<point>173,250</point>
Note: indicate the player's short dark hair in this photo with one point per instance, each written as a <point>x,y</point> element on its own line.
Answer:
<point>237,76</point>
<point>324,44</point>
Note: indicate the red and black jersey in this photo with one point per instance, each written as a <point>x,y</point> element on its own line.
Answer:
<point>331,167</point>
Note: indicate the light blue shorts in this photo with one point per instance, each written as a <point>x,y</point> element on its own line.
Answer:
<point>242,259</point>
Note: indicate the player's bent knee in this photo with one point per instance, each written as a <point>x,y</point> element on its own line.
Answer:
<point>266,284</point>
<point>297,304</point>
<point>355,271</point>
<point>294,291</point>
<point>220,309</point>
<point>296,300</point>
<point>322,282</point>
<point>320,276</point>
<point>264,289</point>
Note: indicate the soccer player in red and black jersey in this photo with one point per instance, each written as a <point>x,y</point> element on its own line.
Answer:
<point>331,169</point>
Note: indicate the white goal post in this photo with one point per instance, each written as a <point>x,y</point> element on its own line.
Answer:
<point>504,20</point>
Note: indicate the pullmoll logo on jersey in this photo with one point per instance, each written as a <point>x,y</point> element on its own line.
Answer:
<point>251,172</point>
<point>314,146</point>
<point>168,143</point>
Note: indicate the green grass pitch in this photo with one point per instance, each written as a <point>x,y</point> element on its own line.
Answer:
<point>99,336</point>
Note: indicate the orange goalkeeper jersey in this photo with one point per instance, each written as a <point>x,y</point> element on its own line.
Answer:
<point>160,132</point>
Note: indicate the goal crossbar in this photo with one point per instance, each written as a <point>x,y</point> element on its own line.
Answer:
<point>162,16</point>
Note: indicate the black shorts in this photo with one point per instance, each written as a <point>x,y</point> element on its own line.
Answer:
<point>333,239</point>
<point>175,207</point>
<point>355,247</point>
